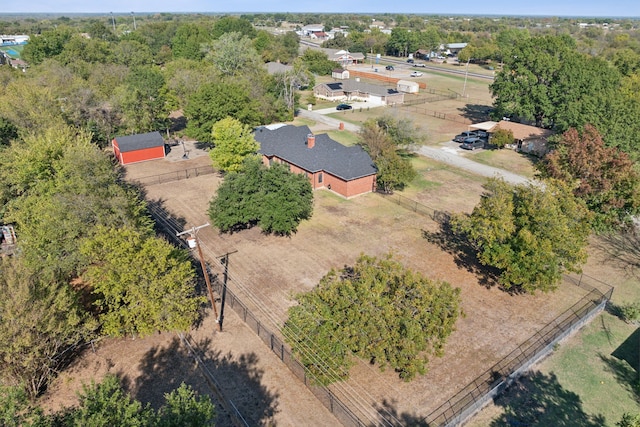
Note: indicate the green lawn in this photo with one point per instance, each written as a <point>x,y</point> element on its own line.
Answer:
<point>509,160</point>
<point>591,379</point>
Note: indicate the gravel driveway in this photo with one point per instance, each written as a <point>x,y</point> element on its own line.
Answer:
<point>441,154</point>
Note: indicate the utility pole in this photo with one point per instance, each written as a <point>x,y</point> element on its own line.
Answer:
<point>134,21</point>
<point>207,280</point>
<point>466,73</point>
<point>113,22</point>
<point>225,262</point>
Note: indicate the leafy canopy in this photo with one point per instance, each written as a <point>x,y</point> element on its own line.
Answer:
<point>378,310</point>
<point>272,197</point>
<point>39,320</point>
<point>384,139</point>
<point>107,404</point>
<point>233,142</point>
<point>532,235</point>
<point>604,177</point>
<point>142,284</point>
<point>216,101</point>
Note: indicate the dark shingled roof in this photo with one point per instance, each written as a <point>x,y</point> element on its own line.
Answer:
<point>139,141</point>
<point>290,144</point>
<point>353,86</point>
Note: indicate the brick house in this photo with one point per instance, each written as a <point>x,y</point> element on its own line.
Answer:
<point>138,148</point>
<point>348,171</point>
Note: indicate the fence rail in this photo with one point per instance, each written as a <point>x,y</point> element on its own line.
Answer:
<point>437,114</point>
<point>176,176</point>
<point>472,397</point>
<point>496,379</point>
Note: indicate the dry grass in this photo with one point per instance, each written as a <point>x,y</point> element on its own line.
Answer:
<point>268,271</point>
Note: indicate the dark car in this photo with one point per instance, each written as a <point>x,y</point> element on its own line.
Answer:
<point>472,143</point>
<point>482,135</point>
<point>410,61</point>
<point>464,135</point>
<point>344,107</point>
<point>389,68</point>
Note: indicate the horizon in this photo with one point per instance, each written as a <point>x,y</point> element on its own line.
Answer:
<point>457,14</point>
<point>618,9</point>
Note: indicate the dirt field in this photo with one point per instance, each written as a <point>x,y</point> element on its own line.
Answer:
<point>266,272</point>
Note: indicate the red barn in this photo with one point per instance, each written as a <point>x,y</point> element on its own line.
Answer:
<point>138,148</point>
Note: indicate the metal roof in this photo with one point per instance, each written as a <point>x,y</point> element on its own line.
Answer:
<point>139,141</point>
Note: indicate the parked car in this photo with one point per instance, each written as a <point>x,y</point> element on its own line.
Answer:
<point>472,143</point>
<point>416,74</point>
<point>410,61</point>
<point>389,68</point>
<point>482,134</point>
<point>464,135</point>
<point>343,107</point>
<point>420,65</point>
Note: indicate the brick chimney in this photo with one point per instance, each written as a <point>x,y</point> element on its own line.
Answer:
<point>311,140</point>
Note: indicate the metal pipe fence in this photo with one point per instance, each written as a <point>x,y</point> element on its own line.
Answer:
<point>495,380</point>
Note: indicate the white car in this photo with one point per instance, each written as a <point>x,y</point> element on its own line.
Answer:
<point>416,74</point>
<point>420,64</point>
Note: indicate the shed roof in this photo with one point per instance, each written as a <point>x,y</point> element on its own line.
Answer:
<point>139,141</point>
<point>485,126</point>
<point>524,132</point>
<point>408,83</point>
<point>290,144</point>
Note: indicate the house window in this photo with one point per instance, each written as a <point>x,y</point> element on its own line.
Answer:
<point>320,178</point>
<point>270,161</point>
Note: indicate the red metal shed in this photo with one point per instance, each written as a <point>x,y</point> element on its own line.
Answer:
<point>138,148</point>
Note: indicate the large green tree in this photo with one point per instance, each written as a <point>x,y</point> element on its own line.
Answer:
<point>107,404</point>
<point>385,138</point>
<point>58,188</point>
<point>46,45</point>
<point>604,177</point>
<point>142,284</point>
<point>546,80</point>
<point>188,40</point>
<point>40,321</point>
<point>233,142</point>
<point>233,54</point>
<point>216,101</point>
<point>144,100</point>
<point>378,310</point>
<point>531,235</point>
<point>318,62</point>
<point>272,197</point>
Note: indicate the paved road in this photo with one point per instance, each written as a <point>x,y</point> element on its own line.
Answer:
<point>441,154</point>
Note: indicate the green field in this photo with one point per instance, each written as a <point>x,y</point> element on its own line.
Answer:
<point>13,51</point>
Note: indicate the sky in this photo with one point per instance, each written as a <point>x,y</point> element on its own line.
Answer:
<point>581,8</point>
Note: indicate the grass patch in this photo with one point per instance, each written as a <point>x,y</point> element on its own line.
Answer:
<point>593,365</point>
<point>300,121</point>
<point>509,160</point>
<point>343,137</point>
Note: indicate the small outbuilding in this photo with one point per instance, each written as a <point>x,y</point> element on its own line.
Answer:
<point>138,148</point>
<point>340,73</point>
<point>407,86</point>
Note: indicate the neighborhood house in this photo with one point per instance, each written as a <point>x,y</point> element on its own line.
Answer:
<point>527,139</point>
<point>348,171</point>
<point>354,90</point>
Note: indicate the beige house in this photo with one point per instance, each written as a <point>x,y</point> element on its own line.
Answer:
<point>527,139</point>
